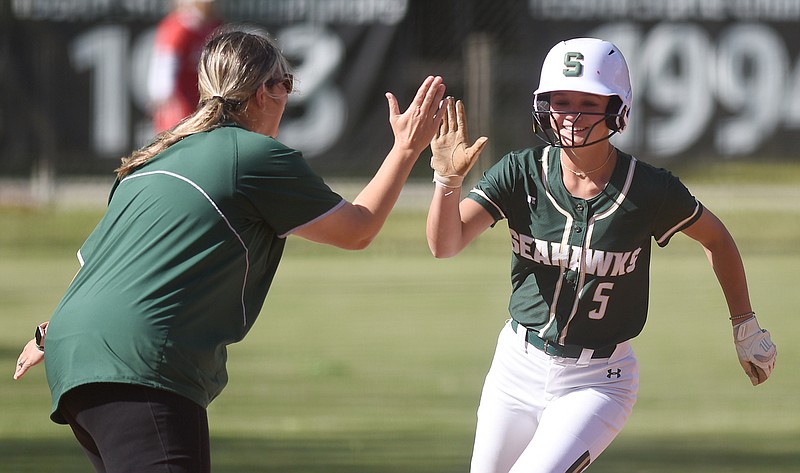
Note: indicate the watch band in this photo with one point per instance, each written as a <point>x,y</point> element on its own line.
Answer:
<point>39,335</point>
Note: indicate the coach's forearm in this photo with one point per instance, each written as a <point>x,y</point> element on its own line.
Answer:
<point>376,201</point>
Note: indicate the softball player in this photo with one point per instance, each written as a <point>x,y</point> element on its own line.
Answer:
<point>581,215</point>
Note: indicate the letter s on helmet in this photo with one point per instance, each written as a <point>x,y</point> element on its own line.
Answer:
<point>587,65</point>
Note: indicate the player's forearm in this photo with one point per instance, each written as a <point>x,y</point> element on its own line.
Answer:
<point>729,270</point>
<point>724,257</point>
<point>444,225</point>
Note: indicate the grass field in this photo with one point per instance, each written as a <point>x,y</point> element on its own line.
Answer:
<point>373,361</point>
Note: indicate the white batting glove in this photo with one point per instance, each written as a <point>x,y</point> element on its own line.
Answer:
<point>452,159</point>
<point>755,350</point>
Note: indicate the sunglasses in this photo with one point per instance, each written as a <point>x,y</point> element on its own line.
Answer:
<point>287,80</point>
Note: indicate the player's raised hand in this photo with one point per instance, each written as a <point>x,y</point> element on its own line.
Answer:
<point>415,127</point>
<point>755,350</point>
<point>452,158</point>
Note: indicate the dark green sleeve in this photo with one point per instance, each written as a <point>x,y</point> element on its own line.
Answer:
<point>282,187</point>
<point>489,191</point>
<point>678,210</point>
<point>495,190</point>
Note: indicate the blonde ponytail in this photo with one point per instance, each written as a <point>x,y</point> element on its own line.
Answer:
<point>234,64</point>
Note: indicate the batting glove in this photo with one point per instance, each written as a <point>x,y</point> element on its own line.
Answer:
<point>452,159</point>
<point>755,350</point>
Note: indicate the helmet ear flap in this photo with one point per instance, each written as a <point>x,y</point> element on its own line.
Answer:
<point>541,112</point>
<point>541,119</point>
<point>616,114</point>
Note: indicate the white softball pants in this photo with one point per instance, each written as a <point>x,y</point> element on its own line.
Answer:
<point>544,414</point>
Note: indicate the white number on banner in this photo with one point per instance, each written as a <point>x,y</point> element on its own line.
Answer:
<point>685,83</point>
<point>103,51</point>
<point>119,71</point>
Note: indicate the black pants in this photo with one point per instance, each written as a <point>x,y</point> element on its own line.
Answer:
<point>134,429</point>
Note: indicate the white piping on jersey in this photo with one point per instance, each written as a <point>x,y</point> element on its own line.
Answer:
<point>564,239</point>
<point>221,214</point>
<point>588,241</point>
<point>483,194</point>
<point>679,225</point>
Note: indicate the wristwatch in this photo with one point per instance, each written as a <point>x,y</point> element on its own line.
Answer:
<point>38,336</point>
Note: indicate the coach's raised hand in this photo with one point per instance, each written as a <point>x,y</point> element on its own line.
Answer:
<point>354,225</point>
<point>414,128</point>
<point>452,158</point>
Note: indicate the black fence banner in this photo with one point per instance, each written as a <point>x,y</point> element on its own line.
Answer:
<point>713,79</point>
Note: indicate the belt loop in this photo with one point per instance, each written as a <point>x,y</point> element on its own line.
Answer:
<point>585,358</point>
<point>522,334</point>
<point>622,350</point>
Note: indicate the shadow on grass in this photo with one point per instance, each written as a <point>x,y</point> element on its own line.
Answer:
<point>365,453</point>
<point>420,453</point>
<point>701,454</point>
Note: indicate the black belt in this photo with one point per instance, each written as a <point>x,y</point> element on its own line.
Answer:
<point>563,351</point>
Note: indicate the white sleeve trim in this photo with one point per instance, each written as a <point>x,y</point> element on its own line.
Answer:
<point>483,194</point>
<point>679,225</point>
<point>334,209</point>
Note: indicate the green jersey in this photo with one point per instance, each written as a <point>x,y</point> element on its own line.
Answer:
<point>180,264</point>
<point>580,267</point>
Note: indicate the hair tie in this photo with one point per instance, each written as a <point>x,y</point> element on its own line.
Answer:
<point>230,104</point>
<point>220,99</point>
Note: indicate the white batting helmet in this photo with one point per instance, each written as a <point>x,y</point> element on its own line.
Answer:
<point>587,65</point>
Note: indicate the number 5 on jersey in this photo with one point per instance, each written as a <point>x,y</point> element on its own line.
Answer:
<point>601,296</point>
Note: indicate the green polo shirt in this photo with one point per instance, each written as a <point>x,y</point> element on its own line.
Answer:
<point>580,268</point>
<point>180,264</point>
